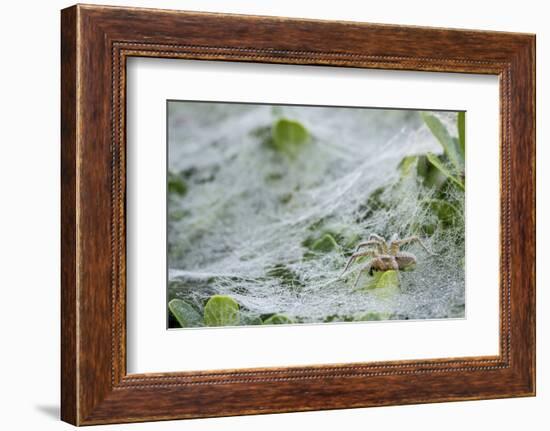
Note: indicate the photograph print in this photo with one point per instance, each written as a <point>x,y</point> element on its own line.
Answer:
<point>294,214</point>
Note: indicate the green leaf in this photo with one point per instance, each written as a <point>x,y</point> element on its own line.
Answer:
<point>449,145</point>
<point>250,320</point>
<point>431,176</point>
<point>340,235</point>
<point>384,285</point>
<point>286,275</point>
<point>434,160</point>
<point>387,286</point>
<point>221,310</point>
<point>278,319</point>
<point>285,198</point>
<point>387,279</point>
<point>445,211</point>
<point>288,136</point>
<point>461,126</point>
<point>176,185</point>
<point>407,164</point>
<point>184,313</point>
<point>324,244</point>
<point>373,316</point>
<point>283,272</point>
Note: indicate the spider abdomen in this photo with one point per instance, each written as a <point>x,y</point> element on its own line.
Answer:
<point>405,260</point>
<point>384,263</point>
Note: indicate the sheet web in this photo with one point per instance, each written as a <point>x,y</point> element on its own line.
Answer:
<point>245,224</point>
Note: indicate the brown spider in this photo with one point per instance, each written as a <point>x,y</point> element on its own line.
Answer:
<point>386,255</point>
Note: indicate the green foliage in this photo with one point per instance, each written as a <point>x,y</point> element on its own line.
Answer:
<point>273,177</point>
<point>326,237</point>
<point>444,174</point>
<point>285,198</point>
<point>430,183</point>
<point>375,202</point>
<point>184,313</point>
<point>431,176</point>
<point>445,211</point>
<point>461,126</point>
<point>221,310</point>
<point>452,164</point>
<point>383,280</point>
<point>384,284</point>
<point>288,136</point>
<point>324,244</point>
<point>373,316</point>
<point>407,164</point>
<point>176,185</point>
<point>421,167</point>
<point>434,160</point>
<point>278,319</point>
<point>285,274</point>
<point>387,286</point>
<point>450,146</point>
<point>251,320</point>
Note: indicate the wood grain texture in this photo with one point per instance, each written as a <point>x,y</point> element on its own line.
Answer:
<point>96,41</point>
<point>69,397</point>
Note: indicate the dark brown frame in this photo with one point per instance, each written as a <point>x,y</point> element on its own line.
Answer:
<point>95,43</point>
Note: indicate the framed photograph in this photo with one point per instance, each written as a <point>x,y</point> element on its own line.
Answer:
<point>264,214</point>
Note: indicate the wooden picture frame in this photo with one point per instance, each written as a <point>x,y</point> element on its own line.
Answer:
<point>95,43</point>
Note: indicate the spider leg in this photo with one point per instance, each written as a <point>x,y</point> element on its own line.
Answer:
<point>376,237</point>
<point>367,243</point>
<point>382,243</point>
<point>405,259</point>
<point>366,268</point>
<point>411,240</point>
<point>355,256</point>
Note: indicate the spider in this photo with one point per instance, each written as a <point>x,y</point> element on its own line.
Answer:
<point>386,255</point>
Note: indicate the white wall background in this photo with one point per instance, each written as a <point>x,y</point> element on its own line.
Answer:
<point>29,215</point>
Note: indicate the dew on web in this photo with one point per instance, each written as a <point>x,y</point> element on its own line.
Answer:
<point>248,219</point>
